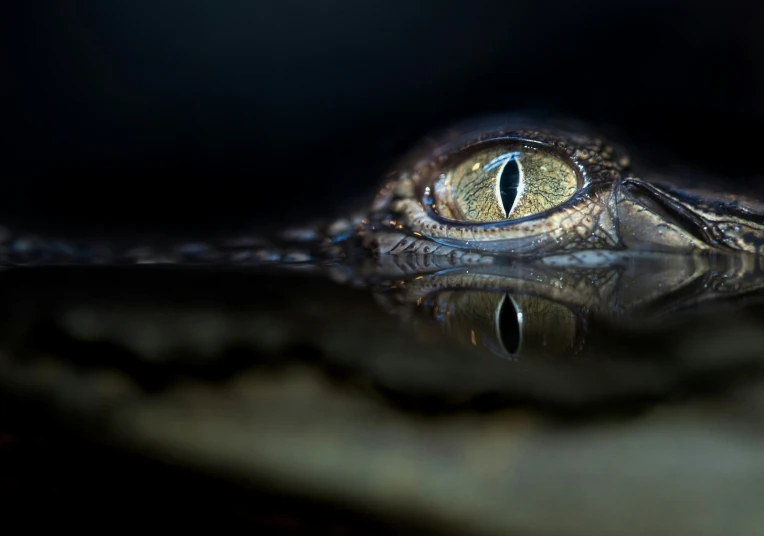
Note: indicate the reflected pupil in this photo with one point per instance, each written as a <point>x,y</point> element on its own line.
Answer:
<point>509,326</point>
<point>509,182</point>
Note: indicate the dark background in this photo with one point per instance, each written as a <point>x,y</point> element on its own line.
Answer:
<point>179,115</point>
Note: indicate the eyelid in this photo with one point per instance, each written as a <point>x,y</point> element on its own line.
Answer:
<point>499,160</point>
<point>447,152</point>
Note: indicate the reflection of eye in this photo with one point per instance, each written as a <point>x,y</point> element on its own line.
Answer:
<point>508,328</point>
<point>511,326</point>
<point>504,182</point>
<point>529,323</point>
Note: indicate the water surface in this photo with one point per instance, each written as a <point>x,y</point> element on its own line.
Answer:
<point>467,401</point>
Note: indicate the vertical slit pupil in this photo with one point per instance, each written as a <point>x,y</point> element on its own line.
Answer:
<point>509,182</point>
<point>509,326</point>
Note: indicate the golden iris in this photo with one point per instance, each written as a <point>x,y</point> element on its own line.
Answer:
<point>504,182</point>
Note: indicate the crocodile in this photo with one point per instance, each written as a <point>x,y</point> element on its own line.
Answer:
<point>579,234</point>
<point>613,209</point>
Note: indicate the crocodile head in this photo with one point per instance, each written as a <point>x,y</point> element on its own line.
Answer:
<point>582,195</point>
<point>593,241</point>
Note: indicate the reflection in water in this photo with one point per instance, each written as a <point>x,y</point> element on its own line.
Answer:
<point>520,310</point>
<point>507,325</point>
<point>238,375</point>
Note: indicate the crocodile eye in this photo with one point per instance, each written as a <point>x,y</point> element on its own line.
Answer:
<point>503,182</point>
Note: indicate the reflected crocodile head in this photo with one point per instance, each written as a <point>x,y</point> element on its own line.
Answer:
<point>434,205</point>
<point>530,308</point>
